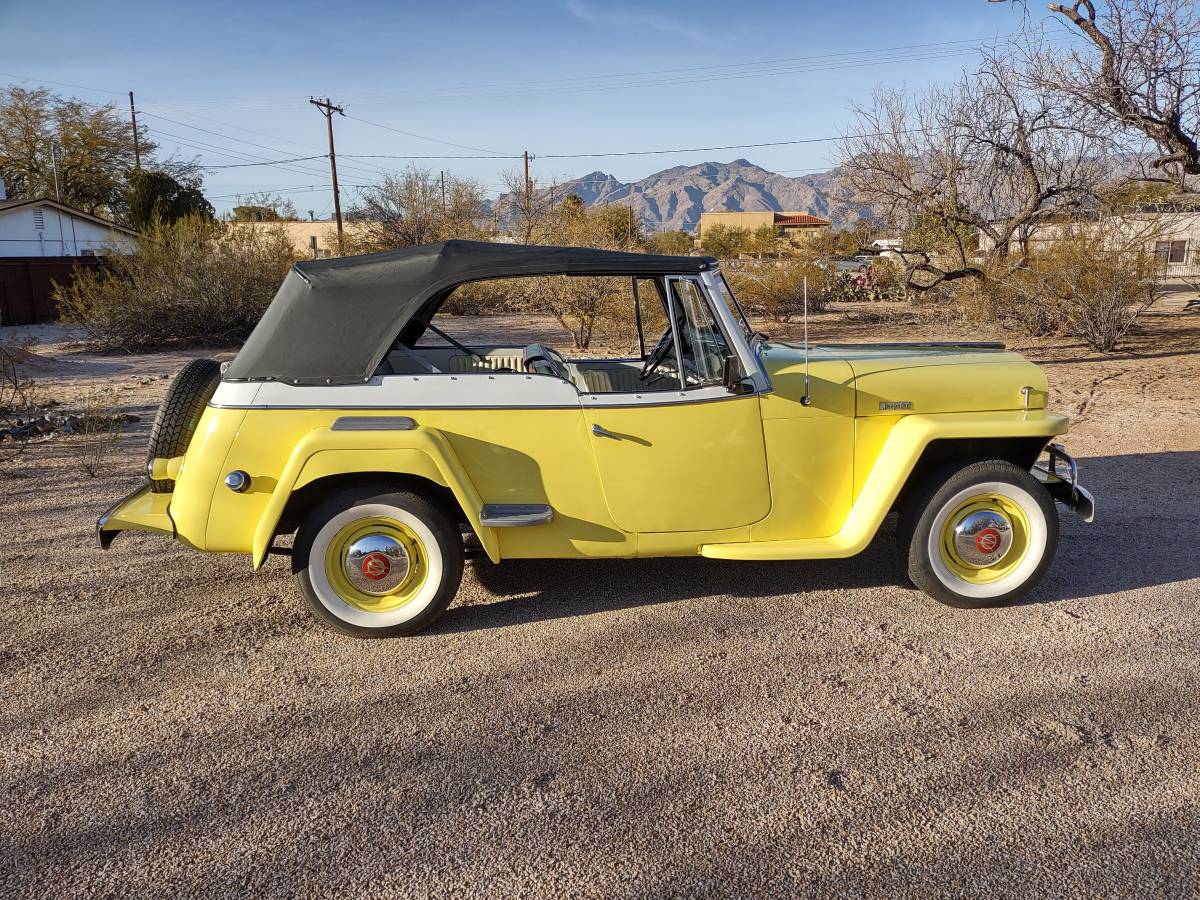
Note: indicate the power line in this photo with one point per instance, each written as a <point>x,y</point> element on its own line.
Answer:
<point>420,136</point>
<point>231,137</point>
<point>274,162</point>
<point>618,153</point>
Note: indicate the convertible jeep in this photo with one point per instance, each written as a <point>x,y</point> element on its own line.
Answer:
<point>391,450</point>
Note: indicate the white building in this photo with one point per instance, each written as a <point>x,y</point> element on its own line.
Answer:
<point>44,227</point>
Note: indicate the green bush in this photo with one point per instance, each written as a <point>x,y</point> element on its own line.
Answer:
<point>194,281</point>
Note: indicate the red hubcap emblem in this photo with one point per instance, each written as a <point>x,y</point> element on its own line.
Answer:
<point>987,541</point>
<point>376,566</point>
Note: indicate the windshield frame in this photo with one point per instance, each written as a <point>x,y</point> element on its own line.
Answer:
<point>725,294</point>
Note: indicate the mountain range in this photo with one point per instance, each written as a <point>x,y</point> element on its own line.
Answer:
<point>674,198</point>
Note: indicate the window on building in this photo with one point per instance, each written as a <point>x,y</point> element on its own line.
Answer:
<point>39,220</point>
<point>1171,251</point>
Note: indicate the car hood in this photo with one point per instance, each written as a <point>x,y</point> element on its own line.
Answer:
<point>896,379</point>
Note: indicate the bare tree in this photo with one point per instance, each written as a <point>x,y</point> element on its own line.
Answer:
<point>988,159</point>
<point>528,207</point>
<point>417,207</point>
<point>1140,72</point>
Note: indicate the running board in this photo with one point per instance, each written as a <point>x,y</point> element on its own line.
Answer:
<point>836,547</point>
<point>515,515</point>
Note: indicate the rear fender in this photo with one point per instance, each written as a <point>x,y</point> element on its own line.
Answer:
<point>324,452</point>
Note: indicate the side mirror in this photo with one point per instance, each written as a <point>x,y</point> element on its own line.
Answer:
<point>732,378</point>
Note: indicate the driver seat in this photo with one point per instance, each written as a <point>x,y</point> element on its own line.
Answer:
<point>543,360</point>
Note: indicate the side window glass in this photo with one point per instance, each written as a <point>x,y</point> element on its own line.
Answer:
<point>653,312</point>
<point>701,342</point>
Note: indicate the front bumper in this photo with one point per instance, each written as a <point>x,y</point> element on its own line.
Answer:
<point>1063,483</point>
<point>143,510</point>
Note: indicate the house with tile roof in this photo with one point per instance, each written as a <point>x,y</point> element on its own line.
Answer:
<point>792,227</point>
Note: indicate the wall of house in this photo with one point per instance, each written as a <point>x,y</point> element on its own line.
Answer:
<point>1155,229</point>
<point>46,231</point>
<point>311,240</point>
<point>798,234</point>
<point>747,220</point>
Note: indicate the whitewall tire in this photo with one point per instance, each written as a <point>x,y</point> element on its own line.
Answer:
<point>375,563</point>
<point>981,535</point>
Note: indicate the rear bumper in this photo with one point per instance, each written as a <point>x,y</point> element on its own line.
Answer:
<point>142,510</point>
<point>1063,482</point>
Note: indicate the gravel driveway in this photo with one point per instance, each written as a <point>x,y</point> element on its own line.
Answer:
<point>174,725</point>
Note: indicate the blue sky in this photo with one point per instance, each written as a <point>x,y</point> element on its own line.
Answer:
<point>570,76</point>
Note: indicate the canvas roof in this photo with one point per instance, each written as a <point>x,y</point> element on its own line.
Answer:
<point>333,320</point>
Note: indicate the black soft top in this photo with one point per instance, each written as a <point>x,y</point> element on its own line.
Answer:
<point>333,320</point>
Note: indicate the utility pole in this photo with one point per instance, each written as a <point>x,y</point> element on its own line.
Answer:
<point>443,174</point>
<point>528,202</point>
<point>327,110</point>
<point>137,146</point>
<point>54,166</point>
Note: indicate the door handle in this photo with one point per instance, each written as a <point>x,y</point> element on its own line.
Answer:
<point>600,431</point>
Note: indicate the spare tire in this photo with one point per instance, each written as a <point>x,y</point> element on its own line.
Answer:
<point>179,414</point>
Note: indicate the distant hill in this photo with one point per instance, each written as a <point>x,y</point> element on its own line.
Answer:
<point>674,198</point>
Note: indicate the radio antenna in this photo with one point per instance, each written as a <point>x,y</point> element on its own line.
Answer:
<point>806,400</point>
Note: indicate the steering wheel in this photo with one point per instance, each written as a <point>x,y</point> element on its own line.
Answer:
<point>657,357</point>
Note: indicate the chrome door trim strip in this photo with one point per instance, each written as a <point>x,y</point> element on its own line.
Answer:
<point>679,401</point>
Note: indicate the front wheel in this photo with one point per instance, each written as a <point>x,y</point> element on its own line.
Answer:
<point>378,563</point>
<point>981,535</point>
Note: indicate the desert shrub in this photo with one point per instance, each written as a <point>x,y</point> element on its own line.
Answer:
<point>775,288</point>
<point>189,282</point>
<point>671,243</point>
<point>16,402</point>
<point>578,303</point>
<point>96,434</point>
<point>1016,301</point>
<point>724,241</point>
<point>1092,282</point>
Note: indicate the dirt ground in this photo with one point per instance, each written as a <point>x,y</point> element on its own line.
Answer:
<point>175,725</point>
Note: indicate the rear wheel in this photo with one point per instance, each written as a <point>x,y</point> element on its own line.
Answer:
<point>377,563</point>
<point>981,535</point>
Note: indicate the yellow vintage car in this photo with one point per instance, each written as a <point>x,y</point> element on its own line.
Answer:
<point>392,451</point>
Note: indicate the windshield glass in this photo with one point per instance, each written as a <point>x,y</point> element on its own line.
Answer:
<point>725,293</point>
<point>701,343</point>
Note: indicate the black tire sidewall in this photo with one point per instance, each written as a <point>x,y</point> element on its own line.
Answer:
<point>922,510</point>
<point>442,526</point>
<point>179,414</point>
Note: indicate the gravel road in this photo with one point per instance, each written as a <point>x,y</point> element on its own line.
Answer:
<point>175,725</point>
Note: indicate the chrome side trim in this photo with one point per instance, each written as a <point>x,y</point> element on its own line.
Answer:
<point>387,406</point>
<point>593,404</point>
<point>373,423</point>
<point>515,515</point>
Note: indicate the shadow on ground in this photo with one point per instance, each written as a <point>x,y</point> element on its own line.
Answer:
<point>1143,502</point>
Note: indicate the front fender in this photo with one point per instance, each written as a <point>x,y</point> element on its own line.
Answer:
<point>887,452</point>
<point>324,452</point>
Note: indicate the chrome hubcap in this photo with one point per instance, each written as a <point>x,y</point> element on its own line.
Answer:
<point>983,538</point>
<point>377,564</point>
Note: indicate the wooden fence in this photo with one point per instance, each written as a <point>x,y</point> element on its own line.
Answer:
<point>27,285</point>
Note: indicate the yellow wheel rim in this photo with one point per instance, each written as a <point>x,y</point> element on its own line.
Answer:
<point>983,509</point>
<point>376,564</point>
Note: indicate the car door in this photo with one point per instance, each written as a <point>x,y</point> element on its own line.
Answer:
<point>690,459</point>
